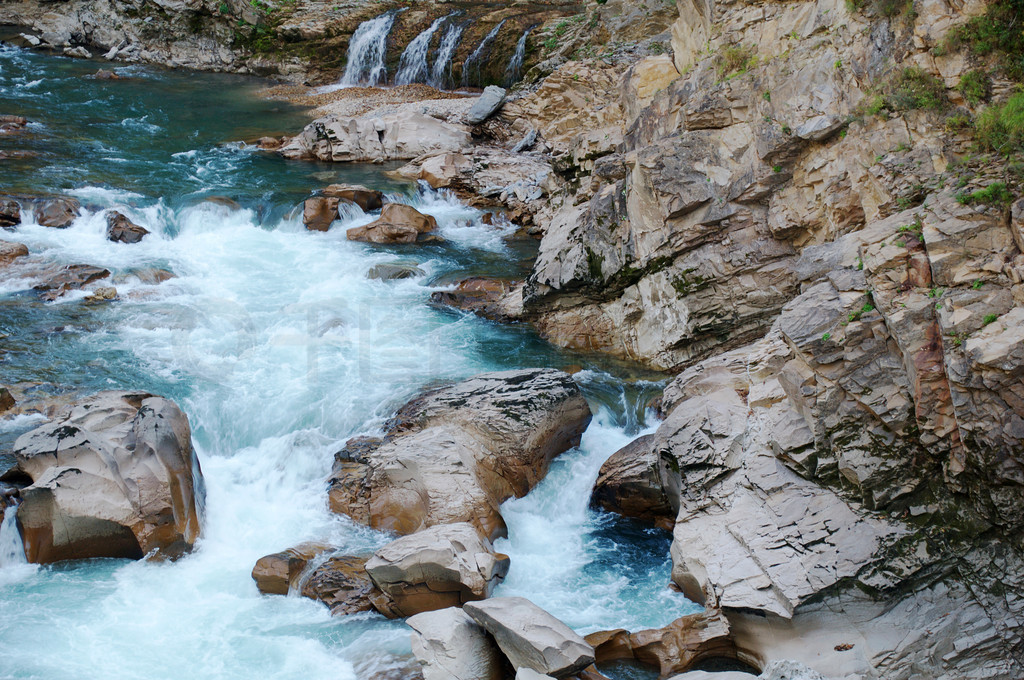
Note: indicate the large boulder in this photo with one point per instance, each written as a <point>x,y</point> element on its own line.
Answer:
<point>318,212</point>
<point>442,566</point>
<point>531,637</point>
<point>115,475</point>
<point>449,644</point>
<point>403,135</point>
<point>486,104</point>
<point>630,484</point>
<point>454,454</point>
<point>120,229</point>
<point>398,223</point>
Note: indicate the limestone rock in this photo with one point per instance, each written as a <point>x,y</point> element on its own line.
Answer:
<point>438,567</point>
<point>630,484</point>
<point>391,271</point>
<point>69,277</point>
<point>394,136</point>
<point>101,294</point>
<point>530,637</point>
<point>115,475</point>
<point>454,454</point>
<point>121,229</point>
<point>10,251</point>
<point>318,212</point>
<point>486,105</point>
<point>275,574</point>
<point>449,644</point>
<point>397,223</point>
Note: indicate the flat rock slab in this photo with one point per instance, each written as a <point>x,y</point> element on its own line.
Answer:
<point>450,645</point>
<point>489,102</point>
<point>531,637</point>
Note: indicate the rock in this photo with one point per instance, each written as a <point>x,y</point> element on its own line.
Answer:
<point>455,453</point>
<point>486,105</point>
<point>59,212</point>
<point>275,574</point>
<point>719,675</point>
<point>391,271</point>
<point>395,136</point>
<point>397,223</point>
<point>120,229</point>
<point>104,74</point>
<point>630,484</point>
<point>69,277</point>
<point>11,251</point>
<point>102,294</point>
<point>270,143</point>
<point>10,212</point>
<point>368,200</point>
<point>449,644</point>
<point>530,674</point>
<point>438,567</point>
<point>319,212</point>
<point>342,584</point>
<point>785,669</point>
<point>114,475</point>
<point>79,52</point>
<point>7,401</point>
<point>530,637</point>
<point>152,275</point>
<point>482,295</point>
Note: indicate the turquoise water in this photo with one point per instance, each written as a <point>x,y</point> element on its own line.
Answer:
<point>279,348</point>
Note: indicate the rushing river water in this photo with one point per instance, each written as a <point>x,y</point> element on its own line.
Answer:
<point>278,347</point>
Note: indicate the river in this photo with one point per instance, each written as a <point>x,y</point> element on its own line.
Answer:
<point>279,347</point>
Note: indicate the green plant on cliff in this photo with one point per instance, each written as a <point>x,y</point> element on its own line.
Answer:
<point>1000,127</point>
<point>735,60</point>
<point>975,86</point>
<point>999,33</point>
<point>994,194</point>
<point>912,88</point>
<point>885,8</point>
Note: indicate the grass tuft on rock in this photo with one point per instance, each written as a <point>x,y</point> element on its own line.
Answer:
<point>1000,127</point>
<point>998,32</point>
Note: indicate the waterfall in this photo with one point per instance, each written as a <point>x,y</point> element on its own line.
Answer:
<point>515,67</point>
<point>479,54</point>
<point>413,66</point>
<point>441,74</point>
<point>367,50</point>
<point>12,551</point>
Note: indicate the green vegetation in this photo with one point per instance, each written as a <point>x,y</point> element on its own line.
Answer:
<point>999,33</point>
<point>825,337</point>
<point>735,61</point>
<point>1000,127</point>
<point>909,88</point>
<point>975,86</point>
<point>776,169</point>
<point>885,8</point>
<point>977,285</point>
<point>994,194</point>
<point>989,318</point>
<point>855,316</point>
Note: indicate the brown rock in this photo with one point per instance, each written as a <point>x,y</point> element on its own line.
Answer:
<point>684,642</point>
<point>481,295</point>
<point>152,275</point>
<point>7,401</point>
<point>275,574</point>
<point>70,277</point>
<point>104,74</point>
<point>630,485</point>
<point>102,294</point>
<point>270,143</point>
<point>342,584</point>
<point>398,223</point>
<point>123,230</point>
<point>10,251</point>
<point>10,212</point>
<point>367,199</point>
<point>318,212</point>
<point>58,212</point>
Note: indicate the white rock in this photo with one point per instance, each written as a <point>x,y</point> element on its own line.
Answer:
<point>451,646</point>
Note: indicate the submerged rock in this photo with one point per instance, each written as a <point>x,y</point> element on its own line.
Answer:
<point>454,454</point>
<point>398,223</point>
<point>449,644</point>
<point>69,277</point>
<point>391,271</point>
<point>10,212</point>
<point>531,637</point>
<point>122,230</point>
<point>342,584</point>
<point>481,295</point>
<point>114,475</point>
<point>438,567</point>
<point>275,574</point>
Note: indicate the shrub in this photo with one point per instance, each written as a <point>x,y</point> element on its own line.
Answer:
<point>999,32</point>
<point>994,194</point>
<point>1001,128</point>
<point>975,86</point>
<point>909,88</point>
<point>735,60</point>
